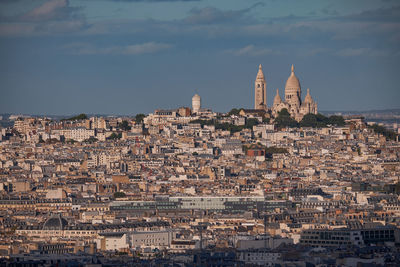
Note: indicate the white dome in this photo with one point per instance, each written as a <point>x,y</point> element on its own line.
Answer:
<point>292,82</point>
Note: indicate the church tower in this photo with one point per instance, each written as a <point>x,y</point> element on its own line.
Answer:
<point>260,90</point>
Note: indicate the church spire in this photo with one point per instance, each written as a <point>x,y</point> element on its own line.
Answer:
<point>292,68</point>
<point>277,99</point>
<point>308,98</point>
<point>260,74</point>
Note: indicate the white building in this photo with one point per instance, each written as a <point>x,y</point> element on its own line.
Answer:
<point>196,103</point>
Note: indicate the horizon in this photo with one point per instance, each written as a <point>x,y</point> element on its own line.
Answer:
<point>323,112</point>
<point>130,57</point>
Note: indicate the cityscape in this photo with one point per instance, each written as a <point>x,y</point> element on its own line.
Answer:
<point>278,180</point>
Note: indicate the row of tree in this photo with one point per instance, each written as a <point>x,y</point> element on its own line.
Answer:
<point>138,119</point>
<point>310,120</point>
<point>389,134</point>
<point>79,117</point>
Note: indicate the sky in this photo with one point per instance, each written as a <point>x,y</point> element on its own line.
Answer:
<point>61,57</point>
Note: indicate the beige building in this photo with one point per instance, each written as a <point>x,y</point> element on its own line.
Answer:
<point>292,102</point>
<point>260,90</point>
<point>196,103</point>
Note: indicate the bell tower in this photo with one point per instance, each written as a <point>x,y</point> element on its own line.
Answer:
<point>260,90</point>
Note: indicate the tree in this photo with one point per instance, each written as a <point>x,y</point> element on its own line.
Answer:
<point>91,140</point>
<point>336,120</point>
<point>139,118</point>
<point>119,194</point>
<point>266,120</point>
<point>378,129</point>
<point>114,136</point>
<point>284,112</point>
<point>309,120</point>
<point>234,111</point>
<point>125,125</point>
<point>284,120</point>
<point>79,117</point>
<point>251,122</point>
<point>319,120</point>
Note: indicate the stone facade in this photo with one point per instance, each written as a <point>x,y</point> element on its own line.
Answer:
<point>292,101</point>
<point>260,98</point>
<point>196,103</point>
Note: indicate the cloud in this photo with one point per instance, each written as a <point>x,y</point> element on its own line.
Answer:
<point>210,15</point>
<point>135,49</point>
<point>391,14</point>
<point>51,17</point>
<point>39,29</point>
<point>252,50</point>
<point>51,10</point>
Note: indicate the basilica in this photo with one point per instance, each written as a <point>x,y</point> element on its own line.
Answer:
<point>292,101</point>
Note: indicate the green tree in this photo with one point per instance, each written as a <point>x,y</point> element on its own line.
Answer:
<point>234,111</point>
<point>336,120</point>
<point>119,194</point>
<point>125,125</point>
<point>266,120</point>
<point>284,120</point>
<point>309,120</point>
<point>251,122</point>
<point>79,117</point>
<point>139,118</point>
<point>91,140</point>
<point>114,136</point>
<point>319,120</point>
<point>284,112</point>
<point>389,134</point>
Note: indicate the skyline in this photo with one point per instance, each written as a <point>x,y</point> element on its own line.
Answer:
<point>114,57</point>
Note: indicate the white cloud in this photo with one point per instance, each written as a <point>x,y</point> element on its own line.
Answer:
<point>136,49</point>
<point>46,11</point>
<point>252,50</point>
<point>51,17</point>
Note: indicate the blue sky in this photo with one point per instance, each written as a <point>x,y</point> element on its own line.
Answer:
<point>132,56</point>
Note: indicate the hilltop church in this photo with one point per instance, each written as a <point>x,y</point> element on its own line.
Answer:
<point>292,102</point>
